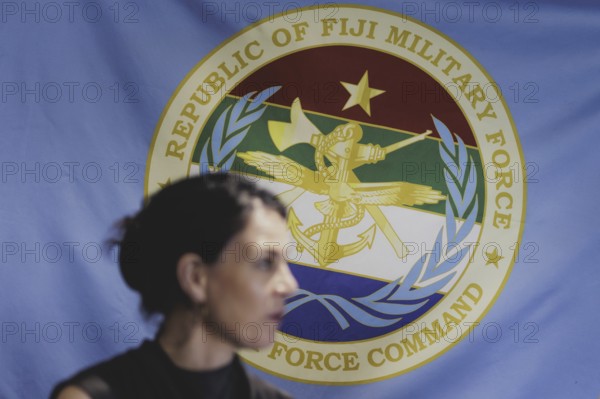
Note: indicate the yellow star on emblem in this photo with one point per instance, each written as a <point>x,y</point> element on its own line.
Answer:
<point>493,257</point>
<point>165,184</point>
<point>361,94</point>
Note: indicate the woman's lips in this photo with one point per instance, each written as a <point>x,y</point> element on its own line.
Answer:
<point>276,317</point>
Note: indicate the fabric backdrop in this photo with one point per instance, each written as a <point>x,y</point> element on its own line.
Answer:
<point>83,85</point>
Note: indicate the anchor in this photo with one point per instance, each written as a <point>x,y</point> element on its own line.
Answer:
<point>348,198</point>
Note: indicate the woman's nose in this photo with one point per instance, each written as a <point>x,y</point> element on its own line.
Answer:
<point>287,283</point>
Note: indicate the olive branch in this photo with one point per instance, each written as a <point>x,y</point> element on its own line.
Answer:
<point>232,126</point>
<point>429,274</point>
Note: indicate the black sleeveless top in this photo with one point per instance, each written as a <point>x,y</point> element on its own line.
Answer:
<point>148,373</point>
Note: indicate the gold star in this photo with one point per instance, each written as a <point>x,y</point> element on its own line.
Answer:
<point>493,257</point>
<point>165,184</point>
<point>361,94</point>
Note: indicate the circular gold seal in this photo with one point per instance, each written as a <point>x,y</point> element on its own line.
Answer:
<point>399,164</point>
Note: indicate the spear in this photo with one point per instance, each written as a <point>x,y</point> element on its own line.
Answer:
<point>407,142</point>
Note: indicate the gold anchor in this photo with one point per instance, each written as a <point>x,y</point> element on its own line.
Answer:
<point>348,197</point>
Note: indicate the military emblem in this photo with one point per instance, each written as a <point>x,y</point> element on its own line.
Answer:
<point>348,197</point>
<point>397,170</point>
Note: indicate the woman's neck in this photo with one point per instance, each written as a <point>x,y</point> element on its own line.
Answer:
<point>193,345</point>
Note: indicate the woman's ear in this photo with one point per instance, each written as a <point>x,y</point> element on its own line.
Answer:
<point>192,274</point>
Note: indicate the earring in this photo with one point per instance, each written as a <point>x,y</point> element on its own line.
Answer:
<point>203,312</point>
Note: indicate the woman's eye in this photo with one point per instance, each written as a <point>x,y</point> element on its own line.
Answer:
<point>266,264</point>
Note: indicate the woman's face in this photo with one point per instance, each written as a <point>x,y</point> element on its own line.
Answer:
<point>250,281</point>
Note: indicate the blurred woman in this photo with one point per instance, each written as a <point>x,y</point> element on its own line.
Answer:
<point>207,254</point>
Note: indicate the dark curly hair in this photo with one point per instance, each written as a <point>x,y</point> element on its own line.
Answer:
<point>199,215</point>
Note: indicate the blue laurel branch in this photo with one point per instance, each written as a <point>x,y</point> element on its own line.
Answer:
<point>461,181</point>
<point>432,271</point>
<point>231,128</point>
<point>348,307</point>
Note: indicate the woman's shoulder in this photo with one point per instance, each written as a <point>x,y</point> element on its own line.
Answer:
<point>72,392</point>
<point>100,381</point>
<point>144,372</point>
<point>260,389</point>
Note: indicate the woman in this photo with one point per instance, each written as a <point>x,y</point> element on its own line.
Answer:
<point>207,253</point>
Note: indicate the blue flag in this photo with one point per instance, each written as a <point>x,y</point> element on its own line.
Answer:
<point>435,159</point>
